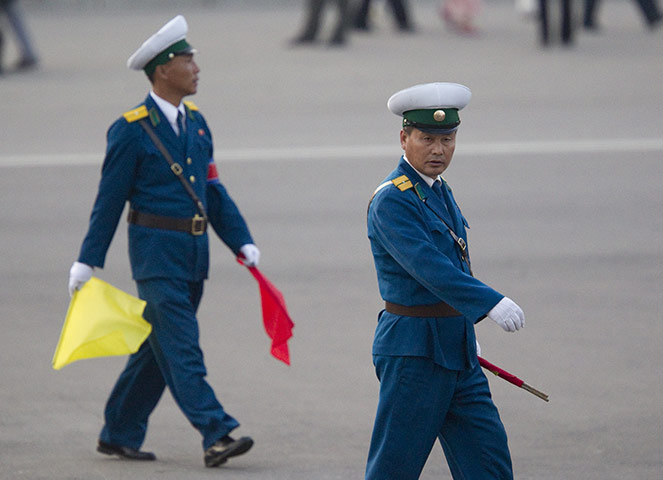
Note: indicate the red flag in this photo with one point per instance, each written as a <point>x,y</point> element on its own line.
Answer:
<point>278,324</point>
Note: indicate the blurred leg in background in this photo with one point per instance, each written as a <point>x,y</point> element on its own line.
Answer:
<point>28,57</point>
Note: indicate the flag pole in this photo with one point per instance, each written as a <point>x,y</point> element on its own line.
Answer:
<point>511,378</point>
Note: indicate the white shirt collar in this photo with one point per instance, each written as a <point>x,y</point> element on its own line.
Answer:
<point>429,180</point>
<point>169,110</point>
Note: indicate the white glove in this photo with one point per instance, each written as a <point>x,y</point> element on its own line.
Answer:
<point>250,255</point>
<point>508,315</point>
<point>478,348</point>
<point>78,275</point>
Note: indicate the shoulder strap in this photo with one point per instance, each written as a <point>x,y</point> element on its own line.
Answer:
<point>135,114</point>
<point>191,105</point>
<point>174,166</point>
<point>402,183</point>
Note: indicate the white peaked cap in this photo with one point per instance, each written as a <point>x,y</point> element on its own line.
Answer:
<point>170,34</point>
<point>430,96</point>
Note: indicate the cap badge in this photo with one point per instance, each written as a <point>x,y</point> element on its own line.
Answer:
<point>439,115</point>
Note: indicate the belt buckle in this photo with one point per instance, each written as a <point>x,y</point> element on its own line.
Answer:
<point>198,225</point>
<point>176,168</point>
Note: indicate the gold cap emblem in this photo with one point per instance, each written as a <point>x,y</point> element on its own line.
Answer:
<point>439,115</point>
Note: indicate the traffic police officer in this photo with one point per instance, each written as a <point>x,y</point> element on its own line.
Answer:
<point>159,158</point>
<point>424,350</point>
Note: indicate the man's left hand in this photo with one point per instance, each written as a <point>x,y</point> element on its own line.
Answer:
<point>250,255</point>
<point>508,315</point>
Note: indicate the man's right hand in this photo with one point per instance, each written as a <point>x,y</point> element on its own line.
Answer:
<point>78,275</point>
<point>508,315</point>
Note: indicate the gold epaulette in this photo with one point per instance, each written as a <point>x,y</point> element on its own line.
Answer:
<point>402,183</point>
<point>191,105</point>
<point>135,114</point>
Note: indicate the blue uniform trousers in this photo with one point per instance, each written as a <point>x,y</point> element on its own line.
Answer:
<point>171,356</point>
<point>421,401</point>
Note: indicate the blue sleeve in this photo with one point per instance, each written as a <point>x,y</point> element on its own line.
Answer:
<point>222,212</point>
<point>117,180</point>
<point>226,218</point>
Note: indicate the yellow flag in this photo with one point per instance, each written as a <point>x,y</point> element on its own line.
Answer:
<point>102,321</point>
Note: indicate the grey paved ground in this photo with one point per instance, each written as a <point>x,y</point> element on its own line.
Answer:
<point>558,169</point>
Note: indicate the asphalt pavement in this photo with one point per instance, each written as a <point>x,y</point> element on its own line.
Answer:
<point>558,170</point>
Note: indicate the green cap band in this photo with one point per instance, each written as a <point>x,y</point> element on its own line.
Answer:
<point>164,57</point>
<point>442,118</point>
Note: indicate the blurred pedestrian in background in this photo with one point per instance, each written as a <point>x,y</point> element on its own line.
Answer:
<point>27,55</point>
<point>2,44</point>
<point>649,8</point>
<point>526,8</point>
<point>399,8</point>
<point>459,15</point>
<point>556,22</point>
<point>314,11</point>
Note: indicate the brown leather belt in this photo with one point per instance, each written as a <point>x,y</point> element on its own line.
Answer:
<point>435,310</point>
<point>195,226</point>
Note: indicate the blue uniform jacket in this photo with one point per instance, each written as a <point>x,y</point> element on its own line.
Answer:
<point>419,263</point>
<point>135,171</point>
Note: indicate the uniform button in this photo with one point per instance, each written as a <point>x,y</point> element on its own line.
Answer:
<point>192,179</point>
<point>188,161</point>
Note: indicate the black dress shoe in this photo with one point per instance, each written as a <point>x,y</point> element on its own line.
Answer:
<point>303,40</point>
<point>124,452</point>
<point>25,63</point>
<point>225,448</point>
<point>337,41</point>
<point>655,22</point>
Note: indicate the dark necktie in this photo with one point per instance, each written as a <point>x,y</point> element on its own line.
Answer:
<point>181,124</point>
<point>437,188</point>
